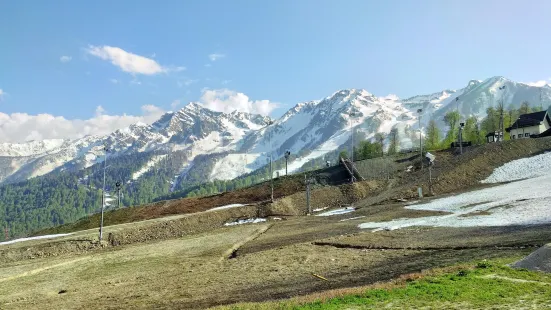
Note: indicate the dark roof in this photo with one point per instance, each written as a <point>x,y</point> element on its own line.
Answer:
<point>539,116</point>
<point>528,120</point>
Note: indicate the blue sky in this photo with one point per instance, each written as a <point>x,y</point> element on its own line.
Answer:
<point>283,51</point>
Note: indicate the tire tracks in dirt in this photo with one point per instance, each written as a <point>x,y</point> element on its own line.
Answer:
<point>231,253</point>
<point>38,270</point>
<point>456,248</point>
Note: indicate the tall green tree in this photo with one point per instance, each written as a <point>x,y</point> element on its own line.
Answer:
<point>433,136</point>
<point>471,131</point>
<point>491,121</point>
<point>380,138</point>
<point>452,120</point>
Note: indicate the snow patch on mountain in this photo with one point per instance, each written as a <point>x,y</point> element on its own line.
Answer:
<point>235,165</point>
<point>154,160</point>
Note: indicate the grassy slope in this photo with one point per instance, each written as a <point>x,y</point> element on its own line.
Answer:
<point>257,193</point>
<point>468,286</point>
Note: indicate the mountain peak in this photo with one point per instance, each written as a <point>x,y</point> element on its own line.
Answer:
<point>193,106</point>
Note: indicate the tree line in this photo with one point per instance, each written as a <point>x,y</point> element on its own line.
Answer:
<point>475,130</point>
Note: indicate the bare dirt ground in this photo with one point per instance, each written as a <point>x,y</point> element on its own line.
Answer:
<point>255,262</point>
<point>171,258</point>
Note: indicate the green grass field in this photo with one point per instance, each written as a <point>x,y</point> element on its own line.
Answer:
<point>485,285</point>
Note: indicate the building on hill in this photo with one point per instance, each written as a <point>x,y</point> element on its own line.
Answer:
<point>494,136</point>
<point>531,125</point>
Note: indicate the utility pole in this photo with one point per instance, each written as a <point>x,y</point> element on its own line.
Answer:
<point>352,114</point>
<point>118,185</point>
<point>270,122</point>
<point>420,138</point>
<point>461,125</point>
<point>541,102</point>
<point>287,154</point>
<point>308,182</point>
<point>501,108</point>
<point>103,194</point>
<point>6,233</point>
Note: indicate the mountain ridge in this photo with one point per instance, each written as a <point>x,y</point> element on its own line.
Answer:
<point>311,129</point>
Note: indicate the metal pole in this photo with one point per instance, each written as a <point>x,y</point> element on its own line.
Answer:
<point>541,101</point>
<point>352,139</point>
<point>271,179</point>
<point>420,139</point>
<point>103,196</point>
<point>430,180</point>
<point>308,197</point>
<point>271,166</point>
<point>461,138</point>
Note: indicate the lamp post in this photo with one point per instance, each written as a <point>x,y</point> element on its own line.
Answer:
<point>352,114</point>
<point>461,125</point>
<point>501,108</point>
<point>270,122</point>
<point>103,194</point>
<point>118,185</point>
<point>287,154</point>
<point>420,138</point>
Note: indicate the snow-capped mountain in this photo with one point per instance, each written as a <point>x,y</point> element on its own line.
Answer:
<point>226,145</point>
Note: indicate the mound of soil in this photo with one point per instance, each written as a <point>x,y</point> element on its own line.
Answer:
<point>540,260</point>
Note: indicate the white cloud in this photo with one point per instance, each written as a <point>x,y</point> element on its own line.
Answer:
<point>208,65</point>
<point>1,93</point>
<point>21,127</point>
<point>114,81</point>
<point>129,62</point>
<point>215,56</point>
<point>65,58</point>
<point>226,82</point>
<point>175,104</point>
<point>538,83</point>
<point>225,100</point>
<point>135,82</point>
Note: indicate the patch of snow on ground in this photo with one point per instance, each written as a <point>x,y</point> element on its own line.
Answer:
<point>337,211</point>
<point>235,205</point>
<point>352,218</point>
<point>320,209</point>
<point>33,238</point>
<point>521,169</point>
<point>524,202</point>
<point>247,221</point>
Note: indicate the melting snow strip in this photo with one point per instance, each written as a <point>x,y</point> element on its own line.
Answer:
<point>247,221</point>
<point>235,205</point>
<point>337,211</point>
<point>352,218</point>
<point>33,238</point>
